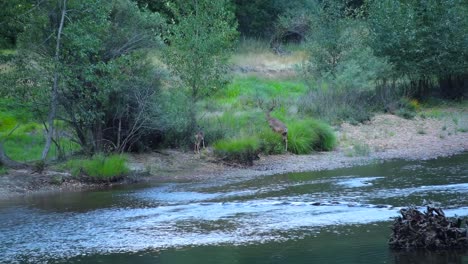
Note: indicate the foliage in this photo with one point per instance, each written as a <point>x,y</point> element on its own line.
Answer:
<point>23,137</point>
<point>334,105</point>
<point>257,18</point>
<point>407,108</point>
<point>13,13</point>
<point>200,42</point>
<point>175,121</point>
<point>240,150</point>
<point>305,136</point>
<point>3,170</point>
<point>256,92</point>
<point>424,40</point>
<point>271,143</point>
<point>107,89</point>
<point>99,168</point>
<point>338,50</point>
<point>301,137</point>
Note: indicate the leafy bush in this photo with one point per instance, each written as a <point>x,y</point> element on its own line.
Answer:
<point>307,135</point>
<point>99,168</point>
<point>240,150</point>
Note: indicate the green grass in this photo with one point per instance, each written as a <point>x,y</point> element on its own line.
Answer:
<point>305,136</point>
<point>271,143</point>
<point>7,51</point>
<point>23,138</point>
<point>241,150</point>
<point>234,119</point>
<point>253,91</point>
<point>3,170</point>
<point>99,168</point>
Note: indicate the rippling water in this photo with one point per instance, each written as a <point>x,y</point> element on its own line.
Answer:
<point>339,216</point>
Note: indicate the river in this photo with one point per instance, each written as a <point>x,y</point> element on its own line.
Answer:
<point>336,216</point>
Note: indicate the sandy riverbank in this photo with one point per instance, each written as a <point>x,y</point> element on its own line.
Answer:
<point>385,137</point>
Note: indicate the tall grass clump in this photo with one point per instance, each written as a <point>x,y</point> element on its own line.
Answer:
<point>305,136</point>
<point>242,150</point>
<point>99,168</point>
<point>3,170</point>
<point>271,143</point>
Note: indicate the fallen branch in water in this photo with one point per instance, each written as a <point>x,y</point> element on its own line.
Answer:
<point>429,230</point>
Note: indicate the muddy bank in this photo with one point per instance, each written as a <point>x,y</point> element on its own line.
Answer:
<point>385,137</point>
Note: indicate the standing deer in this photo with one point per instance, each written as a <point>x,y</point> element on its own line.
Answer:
<point>277,126</point>
<point>199,140</point>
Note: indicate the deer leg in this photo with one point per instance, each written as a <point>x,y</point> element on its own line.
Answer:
<point>285,139</point>
<point>203,141</point>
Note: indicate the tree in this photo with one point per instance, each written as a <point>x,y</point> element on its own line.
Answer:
<point>54,92</point>
<point>338,48</point>
<point>257,18</point>
<point>95,68</point>
<point>200,41</point>
<point>426,41</point>
<point>13,13</point>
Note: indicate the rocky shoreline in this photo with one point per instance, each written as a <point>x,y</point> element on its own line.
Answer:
<point>385,137</point>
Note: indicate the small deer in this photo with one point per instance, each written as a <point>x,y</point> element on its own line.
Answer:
<point>277,126</point>
<point>199,140</point>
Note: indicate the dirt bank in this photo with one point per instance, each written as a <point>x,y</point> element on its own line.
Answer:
<point>384,137</point>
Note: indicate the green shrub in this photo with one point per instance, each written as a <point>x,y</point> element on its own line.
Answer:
<point>99,168</point>
<point>308,135</point>
<point>271,143</point>
<point>3,170</point>
<point>326,137</point>
<point>240,150</point>
<point>301,137</point>
<point>406,108</point>
<point>405,113</point>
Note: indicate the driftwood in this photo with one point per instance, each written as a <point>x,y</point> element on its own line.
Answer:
<point>429,230</point>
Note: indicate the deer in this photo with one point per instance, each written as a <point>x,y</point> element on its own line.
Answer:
<point>199,140</point>
<point>277,126</point>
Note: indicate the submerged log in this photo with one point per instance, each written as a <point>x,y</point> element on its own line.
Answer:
<point>429,230</point>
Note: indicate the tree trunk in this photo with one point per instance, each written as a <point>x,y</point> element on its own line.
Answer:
<point>453,86</point>
<point>54,99</point>
<point>9,163</point>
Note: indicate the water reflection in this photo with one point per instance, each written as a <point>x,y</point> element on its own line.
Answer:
<point>433,257</point>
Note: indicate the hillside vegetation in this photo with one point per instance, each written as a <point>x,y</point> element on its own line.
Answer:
<point>99,79</point>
